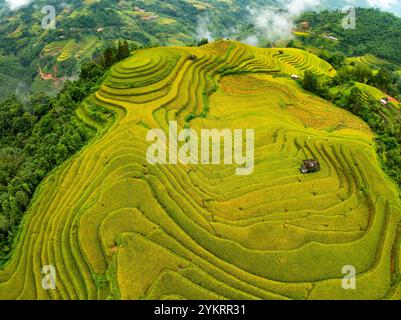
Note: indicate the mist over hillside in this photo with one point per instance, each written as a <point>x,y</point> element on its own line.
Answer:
<point>393,6</point>
<point>36,59</point>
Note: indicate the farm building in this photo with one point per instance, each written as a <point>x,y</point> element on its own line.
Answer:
<point>151,17</point>
<point>304,25</point>
<point>331,38</point>
<point>310,166</point>
<point>295,77</point>
<point>384,101</point>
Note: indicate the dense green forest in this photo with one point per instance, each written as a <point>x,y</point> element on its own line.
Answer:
<point>38,135</point>
<point>376,33</point>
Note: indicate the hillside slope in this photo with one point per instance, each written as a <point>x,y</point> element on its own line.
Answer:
<point>42,59</point>
<point>381,39</point>
<point>48,57</point>
<point>115,226</point>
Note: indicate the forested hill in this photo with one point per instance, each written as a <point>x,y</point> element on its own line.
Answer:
<point>37,59</point>
<point>41,59</point>
<point>376,32</point>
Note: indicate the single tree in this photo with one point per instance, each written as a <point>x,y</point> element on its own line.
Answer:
<point>108,57</point>
<point>311,82</point>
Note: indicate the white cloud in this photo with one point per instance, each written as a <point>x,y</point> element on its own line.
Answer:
<point>17,4</point>
<point>274,23</point>
<point>202,29</point>
<point>251,40</point>
<point>382,4</point>
<point>393,6</point>
<point>297,7</point>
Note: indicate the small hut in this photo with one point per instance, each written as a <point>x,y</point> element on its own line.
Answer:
<point>310,166</point>
<point>384,101</point>
<point>304,25</point>
<point>331,38</point>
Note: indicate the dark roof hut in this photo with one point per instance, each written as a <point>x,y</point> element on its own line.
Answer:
<point>310,166</point>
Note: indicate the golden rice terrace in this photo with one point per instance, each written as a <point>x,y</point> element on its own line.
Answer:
<point>115,226</point>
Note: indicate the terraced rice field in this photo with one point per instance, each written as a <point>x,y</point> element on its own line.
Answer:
<point>301,34</point>
<point>115,226</point>
<point>366,89</point>
<point>87,46</point>
<point>67,50</point>
<point>368,60</point>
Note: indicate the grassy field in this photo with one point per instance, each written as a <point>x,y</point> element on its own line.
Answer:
<point>116,227</point>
